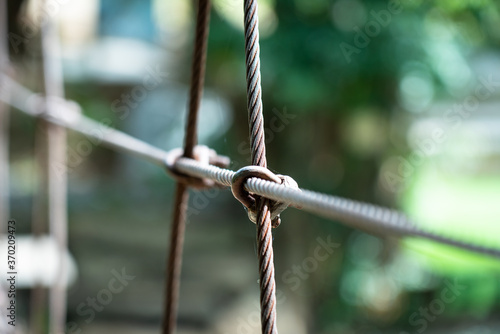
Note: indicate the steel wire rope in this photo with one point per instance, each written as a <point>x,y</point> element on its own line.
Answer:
<point>174,260</point>
<point>348,212</point>
<point>258,152</point>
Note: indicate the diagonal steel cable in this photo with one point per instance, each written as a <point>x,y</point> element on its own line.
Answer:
<point>258,151</point>
<point>370,218</point>
<point>174,264</point>
<point>359,215</point>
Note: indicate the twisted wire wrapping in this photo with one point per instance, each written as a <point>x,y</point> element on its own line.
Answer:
<point>174,264</point>
<point>258,149</point>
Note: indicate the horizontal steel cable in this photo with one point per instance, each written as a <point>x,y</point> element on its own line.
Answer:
<point>364,216</point>
<point>372,218</point>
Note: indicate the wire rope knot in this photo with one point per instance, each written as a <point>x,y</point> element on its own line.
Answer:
<point>202,154</point>
<point>249,200</point>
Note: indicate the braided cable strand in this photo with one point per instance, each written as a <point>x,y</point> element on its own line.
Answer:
<point>258,149</point>
<point>368,217</point>
<point>266,269</point>
<point>254,96</point>
<point>174,264</point>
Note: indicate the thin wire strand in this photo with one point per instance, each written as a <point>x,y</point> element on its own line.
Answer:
<point>258,152</point>
<point>254,95</point>
<point>372,218</point>
<point>174,264</point>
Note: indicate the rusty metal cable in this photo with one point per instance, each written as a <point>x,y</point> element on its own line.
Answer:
<point>175,258</point>
<point>258,152</point>
<point>266,269</point>
<point>197,75</point>
<point>174,264</point>
<point>254,93</point>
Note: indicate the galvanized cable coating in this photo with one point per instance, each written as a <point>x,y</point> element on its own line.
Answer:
<point>354,214</point>
<point>258,150</point>
<point>174,264</point>
<point>368,217</point>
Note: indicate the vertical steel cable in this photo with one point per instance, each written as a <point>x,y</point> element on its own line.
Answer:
<point>258,149</point>
<point>254,94</point>
<point>197,75</point>
<point>175,258</point>
<point>181,195</point>
<point>57,175</point>
<point>266,270</point>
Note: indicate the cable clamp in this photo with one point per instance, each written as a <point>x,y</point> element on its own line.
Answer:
<point>249,201</point>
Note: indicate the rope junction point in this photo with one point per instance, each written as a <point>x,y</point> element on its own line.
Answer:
<point>367,217</point>
<point>205,156</point>
<point>249,201</point>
